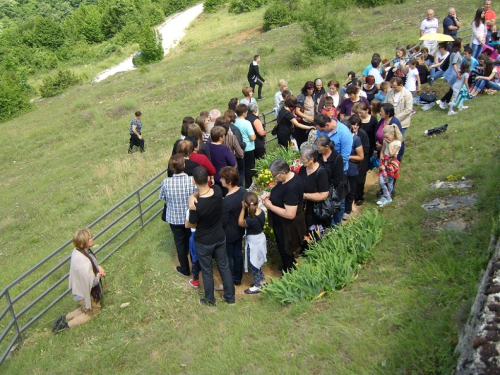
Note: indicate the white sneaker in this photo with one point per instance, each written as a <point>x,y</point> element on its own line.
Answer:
<point>462,107</point>
<point>451,112</point>
<point>441,104</point>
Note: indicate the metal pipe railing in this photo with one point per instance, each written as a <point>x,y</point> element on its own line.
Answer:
<point>13,324</point>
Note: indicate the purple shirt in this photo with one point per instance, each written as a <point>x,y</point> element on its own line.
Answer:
<point>221,157</point>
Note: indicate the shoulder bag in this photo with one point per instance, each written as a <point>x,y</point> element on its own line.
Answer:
<point>325,210</point>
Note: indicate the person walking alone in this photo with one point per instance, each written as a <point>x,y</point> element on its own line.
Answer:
<point>254,77</point>
<point>135,133</point>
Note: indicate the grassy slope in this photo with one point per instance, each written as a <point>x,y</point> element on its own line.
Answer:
<point>400,316</point>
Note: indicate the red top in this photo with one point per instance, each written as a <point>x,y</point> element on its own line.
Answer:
<point>203,161</point>
<point>489,15</point>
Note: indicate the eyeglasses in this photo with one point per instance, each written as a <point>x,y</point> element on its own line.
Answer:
<point>275,174</point>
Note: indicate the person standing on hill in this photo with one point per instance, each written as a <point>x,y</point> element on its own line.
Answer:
<point>254,77</point>
<point>491,19</point>
<point>205,214</point>
<point>429,26</point>
<point>135,133</point>
<point>451,23</point>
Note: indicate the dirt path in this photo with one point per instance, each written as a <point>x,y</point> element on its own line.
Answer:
<point>172,31</point>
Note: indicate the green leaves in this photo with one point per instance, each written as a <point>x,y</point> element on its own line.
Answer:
<point>331,263</point>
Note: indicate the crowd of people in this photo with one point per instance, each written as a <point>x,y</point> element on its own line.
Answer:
<point>342,131</point>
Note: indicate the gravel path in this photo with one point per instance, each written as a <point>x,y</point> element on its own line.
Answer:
<point>172,31</point>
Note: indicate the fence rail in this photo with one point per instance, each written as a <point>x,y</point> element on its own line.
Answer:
<point>32,301</point>
<point>25,306</point>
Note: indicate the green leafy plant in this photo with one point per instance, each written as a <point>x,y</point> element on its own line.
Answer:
<point>54,85</point>
<point>242,6</point>
<point>331,262</point>
<point>278,14</point>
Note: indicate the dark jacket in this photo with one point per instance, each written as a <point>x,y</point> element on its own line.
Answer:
<point>253,73</point>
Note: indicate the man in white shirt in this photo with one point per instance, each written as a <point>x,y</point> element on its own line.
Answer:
<point>429,26</point>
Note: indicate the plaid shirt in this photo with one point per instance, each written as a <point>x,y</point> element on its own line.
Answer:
<point>175,191</point>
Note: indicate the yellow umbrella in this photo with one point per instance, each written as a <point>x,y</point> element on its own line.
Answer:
<point>437,36</point>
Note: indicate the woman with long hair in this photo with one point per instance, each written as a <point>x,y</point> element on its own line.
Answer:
<point>478,33</point>
<point>489,80</point>
<point>305,109</point>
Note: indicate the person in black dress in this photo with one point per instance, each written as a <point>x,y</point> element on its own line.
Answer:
<point>316,185</point>
<point>254,77</point>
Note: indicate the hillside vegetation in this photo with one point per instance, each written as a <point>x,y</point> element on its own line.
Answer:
<point>65,163</point>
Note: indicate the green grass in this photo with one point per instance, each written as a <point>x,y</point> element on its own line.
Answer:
<point>65,163</point>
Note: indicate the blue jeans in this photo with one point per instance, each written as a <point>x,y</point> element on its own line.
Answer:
<point>235,259</point>
<point>403,132</point>
<point>435,73</point>
<point>205,254</point>
<point>337,218</point>
<point>476,50</point>
<point>482,83</point>
<point>488,35</point>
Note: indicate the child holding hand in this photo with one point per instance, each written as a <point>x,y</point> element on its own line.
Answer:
<point>253,219</point>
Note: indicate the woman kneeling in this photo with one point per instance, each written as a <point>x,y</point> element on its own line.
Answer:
<point>84,281</point>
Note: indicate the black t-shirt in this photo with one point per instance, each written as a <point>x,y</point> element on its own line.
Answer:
<point>255,224</point>
<point>291,194</point>
<point>316,182</point>
<point>189,168</point>
<point>423,72</point>
<point>370,94</point>
<point>231,208</point>
<point>208,216</point>
<point>285,121</point>
<point>371,128</point>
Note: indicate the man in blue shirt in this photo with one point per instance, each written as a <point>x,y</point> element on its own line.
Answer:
<point>339,134</point>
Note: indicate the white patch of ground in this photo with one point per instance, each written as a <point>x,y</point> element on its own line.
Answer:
<point>172,31</point>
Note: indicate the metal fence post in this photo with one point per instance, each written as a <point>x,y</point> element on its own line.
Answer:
<point>13,316</point>
<point>140,207</point>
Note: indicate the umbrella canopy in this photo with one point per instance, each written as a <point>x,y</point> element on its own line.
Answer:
<point>437,36</point>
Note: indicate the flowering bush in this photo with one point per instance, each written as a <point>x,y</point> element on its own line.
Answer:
<point>296,165</point>
<point>265,180</point>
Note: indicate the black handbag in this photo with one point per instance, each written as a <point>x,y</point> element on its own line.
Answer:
<point>325,210</point>
<point>276,127</point>
<point>428,97</point>
<point>164,213</point>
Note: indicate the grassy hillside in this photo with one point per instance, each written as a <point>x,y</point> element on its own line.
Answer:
<point>65,163</point>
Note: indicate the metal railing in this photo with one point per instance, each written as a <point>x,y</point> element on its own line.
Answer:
<point>24,305</point>
<point>265,122</point>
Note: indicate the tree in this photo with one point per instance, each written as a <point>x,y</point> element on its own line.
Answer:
<point>46,33</point>
<point>150,45</point>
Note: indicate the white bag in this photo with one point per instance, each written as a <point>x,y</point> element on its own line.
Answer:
<point>293,143</point>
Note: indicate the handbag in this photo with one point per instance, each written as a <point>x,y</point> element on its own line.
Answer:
<point>325,210</point>
<point>164,213</point>
<point>428,97</point>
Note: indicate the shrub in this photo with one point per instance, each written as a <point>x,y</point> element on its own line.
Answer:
<point>150,45</point>
<point>242,6</point>
<point>325,33</point>
<point>14,95</point>
<point>52,86</point>
<point>211,6</point>
<point>277,14</point>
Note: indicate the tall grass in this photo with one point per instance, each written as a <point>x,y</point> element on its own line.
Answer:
<point>65,163</point>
